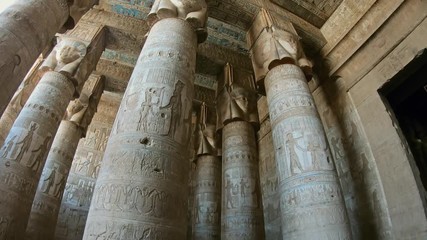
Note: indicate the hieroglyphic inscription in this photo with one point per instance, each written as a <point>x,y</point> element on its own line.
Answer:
<point>84,171</point>
<point>27,145</point>
<point>308,185</point>
<point>355,165</point>
<point>241,215</point>
<point>154,119</point>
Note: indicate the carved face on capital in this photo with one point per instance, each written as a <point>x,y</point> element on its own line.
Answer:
<point>242,98</point>
<point>67,54</point>
<point>288,41</point>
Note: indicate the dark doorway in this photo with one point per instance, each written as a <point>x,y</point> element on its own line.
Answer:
<point>406,95</point>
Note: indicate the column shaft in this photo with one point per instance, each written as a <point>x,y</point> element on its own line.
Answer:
<point>84,170</point>
<point>47,201</point>
<point>23,155</point>
<point>241,216</point>
<point>19,99</point>
<point>26,28</point>
<point>44,213</point>
<point>207,195</point>
<point>141,191</point>
<point>311,201</point>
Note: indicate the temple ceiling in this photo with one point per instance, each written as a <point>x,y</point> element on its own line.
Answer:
<point>227,25</point>
<point>315,12</point>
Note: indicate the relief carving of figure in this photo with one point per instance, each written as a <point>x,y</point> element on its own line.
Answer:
<point>94,169</point>
<point>59,186</point>
<point>103,143</point>
<point>25,143</point>
<point>39,154</point>
<point>335,143</point>
<point>50,180</point>
<point>243,185</point>
<point>65,57</point>
<point>175,106</point>
<point>8,147</point>
<point>229,194</point>
<point>86,164</point>
<point>294,161</point>
<point>147,107</point>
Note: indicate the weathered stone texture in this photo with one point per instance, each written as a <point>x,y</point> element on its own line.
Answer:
<point>356,167</point>
<point>25,149</point>
<point>315,13</point>
<point>26,28</point>
<point>51,186</point>
<point>361,32</point>
<point>47,200</point>
<point>84,171</point>
<point>335,28</point>
<point>269,182</point>
<point>207,198</point>
<point>403,196</point>
<point>144,173</point>
<point>19,99</point>
<point>386,38</point>
<point>24,153</point>
<point>241,215</point>
<point>311,200</point>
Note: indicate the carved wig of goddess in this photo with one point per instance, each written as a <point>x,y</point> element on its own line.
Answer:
<point>194,11</point>
<point>65,57</point>
<point>274,47</point>
<point>77,109</point>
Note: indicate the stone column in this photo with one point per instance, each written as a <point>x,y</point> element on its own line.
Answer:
<point>23,155</point>
<point>19,99</point>
<point>207,193</point>
<point>44,213</point>
<point>268,175</point>
<point>241,214</point>
<point>311,202</point>
<point>84,170</point>
<point>26,28</point>
<point>141,191</point>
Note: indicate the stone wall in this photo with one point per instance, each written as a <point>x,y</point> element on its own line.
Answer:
<point>382,190</point>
